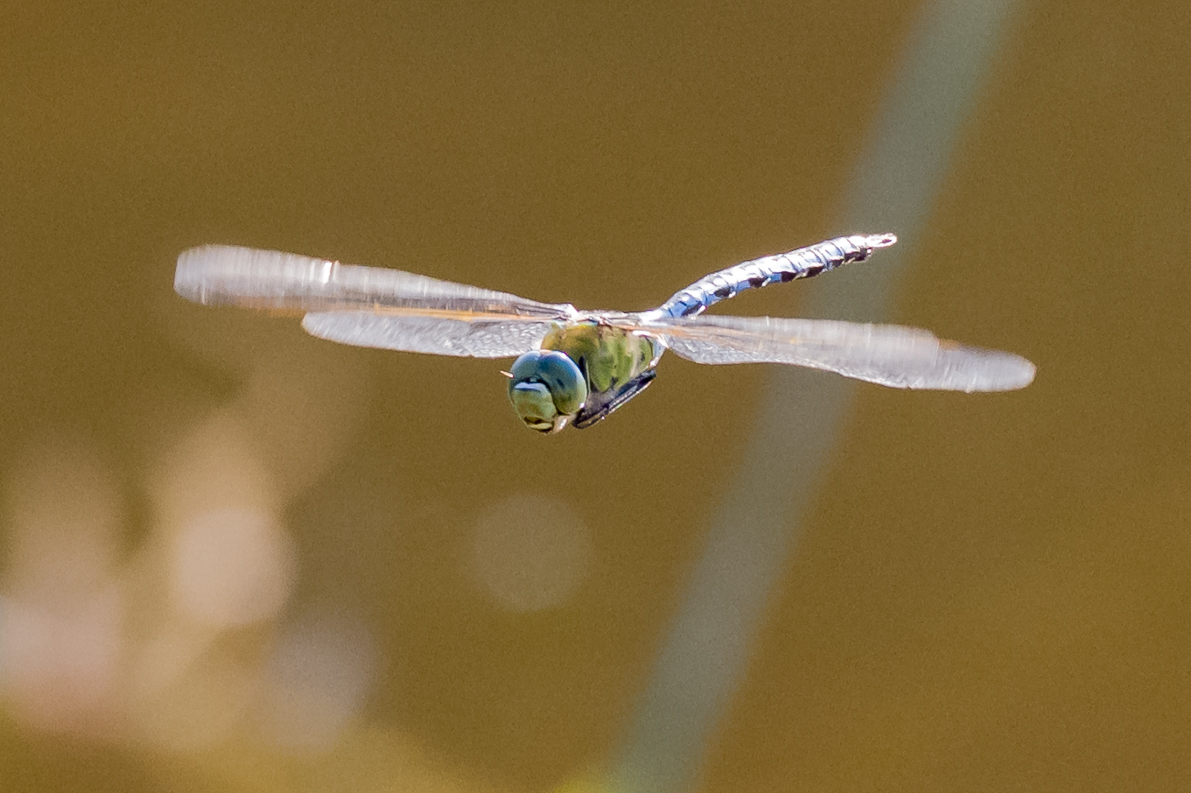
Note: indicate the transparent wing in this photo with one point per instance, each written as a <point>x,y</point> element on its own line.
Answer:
<point>478,338</point>
<point>287,282</point>
<point>887,354</point>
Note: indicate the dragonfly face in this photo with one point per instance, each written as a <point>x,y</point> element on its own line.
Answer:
<point>547,389</point>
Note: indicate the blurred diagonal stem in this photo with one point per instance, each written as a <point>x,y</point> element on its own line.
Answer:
<point>705,652</point>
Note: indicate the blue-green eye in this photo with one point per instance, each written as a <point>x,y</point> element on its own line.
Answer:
<point>546,389</point>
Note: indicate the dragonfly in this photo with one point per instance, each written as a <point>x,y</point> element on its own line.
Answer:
<point>575,367</point>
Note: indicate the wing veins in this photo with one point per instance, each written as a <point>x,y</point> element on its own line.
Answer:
<point>890,355</point>
<point>290,283</point>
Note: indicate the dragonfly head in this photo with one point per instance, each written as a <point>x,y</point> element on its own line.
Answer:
<point>546,389</point>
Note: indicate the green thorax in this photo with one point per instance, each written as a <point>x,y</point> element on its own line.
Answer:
<point>609,357</point>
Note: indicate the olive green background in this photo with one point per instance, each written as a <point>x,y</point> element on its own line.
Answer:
<point>992,593</point>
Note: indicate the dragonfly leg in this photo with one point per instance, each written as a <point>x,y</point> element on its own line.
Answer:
<point>600,406</point>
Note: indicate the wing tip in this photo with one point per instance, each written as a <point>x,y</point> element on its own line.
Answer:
<point>255,278</point>
<point>1026,370</point>
<point>201,267</point>
<point>188,280</point>
<point>1002,371</point>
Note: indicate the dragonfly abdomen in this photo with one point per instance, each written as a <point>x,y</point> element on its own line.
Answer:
<point>784,267</point>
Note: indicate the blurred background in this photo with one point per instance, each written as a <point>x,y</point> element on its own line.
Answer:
<point>235,558</point>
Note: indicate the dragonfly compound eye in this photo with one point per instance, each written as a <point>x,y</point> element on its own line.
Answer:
<point>546,389</point>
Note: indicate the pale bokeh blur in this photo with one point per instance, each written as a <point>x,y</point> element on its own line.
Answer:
<point>235,558</point>
<point>531,552</point>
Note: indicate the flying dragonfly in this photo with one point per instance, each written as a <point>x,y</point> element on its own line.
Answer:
<point>577,367</point>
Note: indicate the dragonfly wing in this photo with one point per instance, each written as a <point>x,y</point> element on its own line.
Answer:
<point>463,335</point>
<point>887,354</point>
<point>288,282</point>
